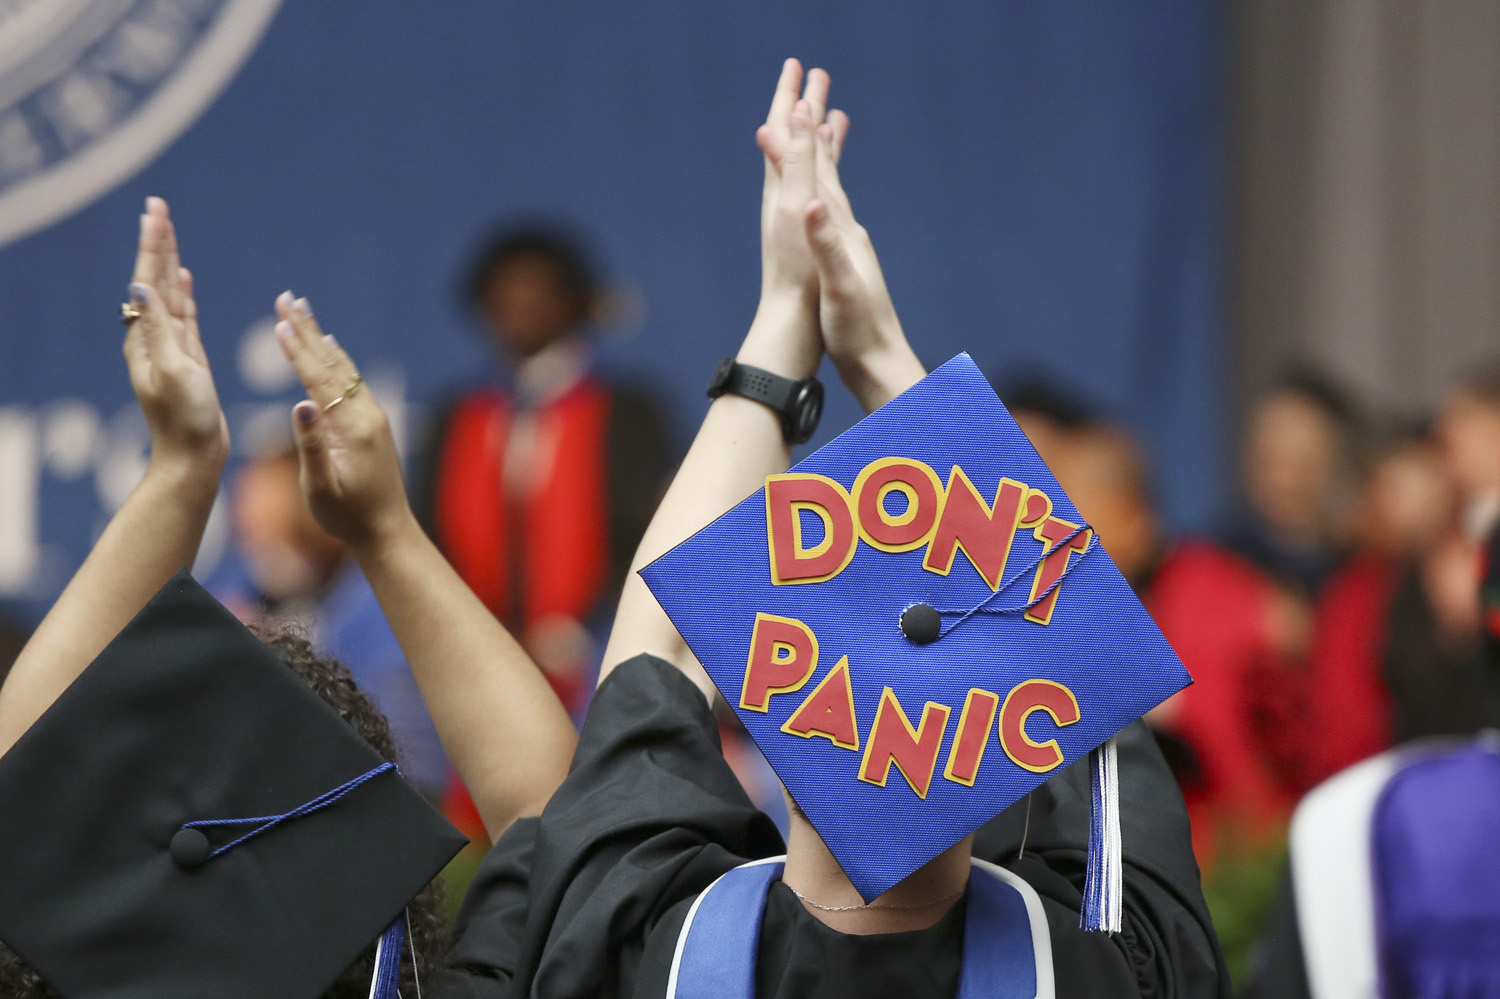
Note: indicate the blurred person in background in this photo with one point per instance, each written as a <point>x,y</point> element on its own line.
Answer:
<point>540,483</point>
<point>1406,504</point>
<point>1046,413</point>
<point>1225,619</point>
<point>1469,432</point>
<point>286,570</point>
<point>1296,478</point>
<point>1440,683</point>
<point>1392,885</point>
<point>1229,737</point>
<point>1426,667</point>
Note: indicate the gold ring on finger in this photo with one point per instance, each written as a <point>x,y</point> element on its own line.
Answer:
<point>129,313</point>
<point>350,391</point>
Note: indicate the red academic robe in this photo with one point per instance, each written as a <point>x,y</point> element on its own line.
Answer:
<point>1212,606</point>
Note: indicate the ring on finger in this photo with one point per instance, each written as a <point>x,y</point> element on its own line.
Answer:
<point>129,313</point>
<point>350,391</point>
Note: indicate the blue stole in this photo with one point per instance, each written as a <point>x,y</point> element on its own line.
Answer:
<point>1007,950</point>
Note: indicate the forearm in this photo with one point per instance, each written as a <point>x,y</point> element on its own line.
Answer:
<point>738,445</point>
<point>502,726</point>
<point>154,534</point>
<point>877,376</point>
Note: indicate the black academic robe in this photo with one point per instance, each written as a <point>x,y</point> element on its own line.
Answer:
<point>589,898</point>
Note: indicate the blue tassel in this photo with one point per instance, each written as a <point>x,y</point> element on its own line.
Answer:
<point>387,978</point>
<point>1104,882</point>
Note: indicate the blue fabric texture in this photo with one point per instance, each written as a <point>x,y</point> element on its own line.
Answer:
<point>718,957</point>
<point>1437,877</point>
<point>999,955</point>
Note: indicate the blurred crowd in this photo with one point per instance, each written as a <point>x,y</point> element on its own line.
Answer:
<point>1337,613</point>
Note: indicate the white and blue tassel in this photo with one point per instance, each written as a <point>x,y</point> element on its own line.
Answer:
<point>387,980</point>
<point>1104,883</point>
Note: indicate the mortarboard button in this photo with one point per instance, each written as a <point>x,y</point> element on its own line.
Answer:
<point>189,849</point>
<point>921,623</point>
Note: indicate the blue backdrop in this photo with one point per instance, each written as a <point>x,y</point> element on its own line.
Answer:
<point>1041,181</point>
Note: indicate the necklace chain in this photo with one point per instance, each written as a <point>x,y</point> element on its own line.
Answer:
<point>874,905</point>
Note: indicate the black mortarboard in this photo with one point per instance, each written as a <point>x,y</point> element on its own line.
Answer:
<point>106,887</point>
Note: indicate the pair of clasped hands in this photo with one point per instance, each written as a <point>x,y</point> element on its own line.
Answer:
<point>821,289</point>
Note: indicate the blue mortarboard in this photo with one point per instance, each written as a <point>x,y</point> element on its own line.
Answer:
<point>917,628</point>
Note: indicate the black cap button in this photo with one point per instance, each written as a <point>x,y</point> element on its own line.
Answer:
<point>921,623</point>
<point>189,849</point>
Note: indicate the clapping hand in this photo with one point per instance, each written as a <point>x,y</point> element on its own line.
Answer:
<point>811,241</point>
<point>351,476</point>
<point>784,336</point>
<point>858,321</point>
<point>168,368</point>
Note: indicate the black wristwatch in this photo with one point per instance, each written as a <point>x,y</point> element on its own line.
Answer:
<point>799,404</point>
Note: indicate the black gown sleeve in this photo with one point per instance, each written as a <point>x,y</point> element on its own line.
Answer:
<point>491,924</point>
<point>648,816</point>
<point>1167,947</point>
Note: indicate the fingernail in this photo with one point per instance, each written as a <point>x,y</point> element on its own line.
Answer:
<point>283,330</point>
<point>305,412</point>
<point>285,296</point>
<point>302,307</point>
<point>139,294</point>
<point>331,341</point>
<point>820,213</point>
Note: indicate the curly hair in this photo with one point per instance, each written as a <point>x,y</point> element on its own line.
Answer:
<point>331,681</point>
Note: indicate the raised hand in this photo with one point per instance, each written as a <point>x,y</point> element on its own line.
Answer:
<point>858,321</point>
<point>788,142</point>
<point>502,725</point>
<point>156,531</point>
<point>351,476</point>
<point>168,369</point>
<point>784,336</point>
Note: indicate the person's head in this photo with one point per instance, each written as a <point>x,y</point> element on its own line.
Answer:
<point>1296,455</point>
<point>1406,500</point>
<point>1105,473</point>
<point>1468,430</point>
<point>332,682</point>
<point>1045,413</point>
<point>531,286</point>
<point>287,554</point>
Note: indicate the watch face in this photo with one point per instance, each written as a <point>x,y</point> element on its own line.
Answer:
<point>805,410</point>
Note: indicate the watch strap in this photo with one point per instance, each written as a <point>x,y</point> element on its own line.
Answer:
<point>798,403</point>
<point>762,386</point>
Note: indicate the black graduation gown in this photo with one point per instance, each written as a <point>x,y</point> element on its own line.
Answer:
<point>589,898</point>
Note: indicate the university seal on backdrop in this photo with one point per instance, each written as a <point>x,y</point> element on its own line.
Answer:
<point>93,90</point>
